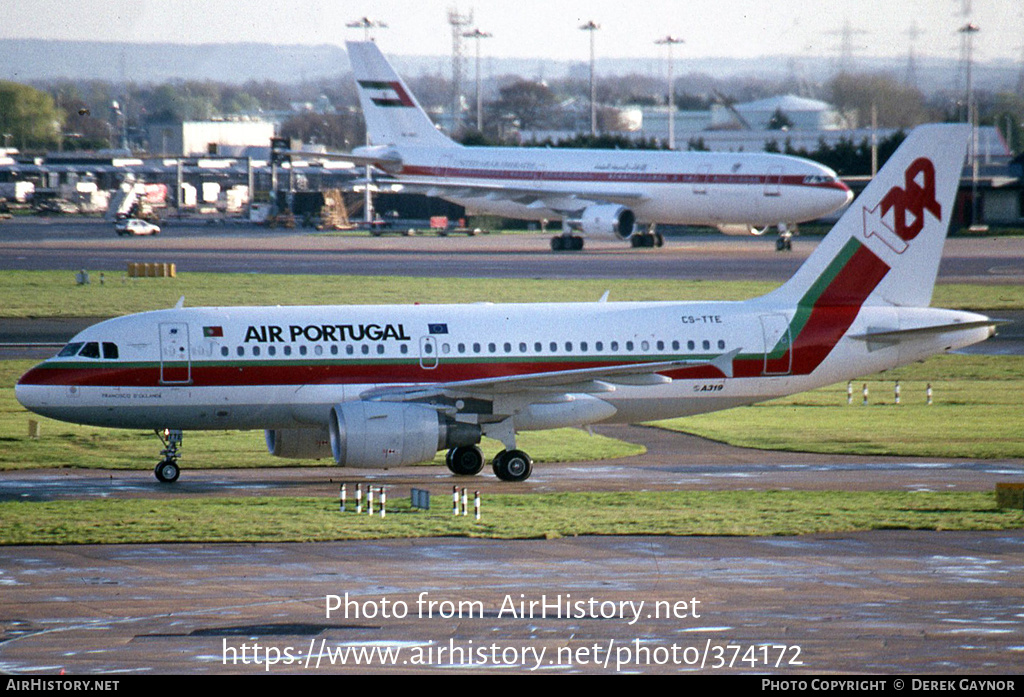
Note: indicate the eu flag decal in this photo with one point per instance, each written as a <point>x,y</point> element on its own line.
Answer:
<point>210,332</point>
<point>438,328</point>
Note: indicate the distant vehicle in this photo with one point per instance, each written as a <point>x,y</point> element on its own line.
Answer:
<point>134,226</point>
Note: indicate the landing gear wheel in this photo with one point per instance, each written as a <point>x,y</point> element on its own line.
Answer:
<point>566,243</point>
<point>167,471</point>
<point>647,240</point>
<point>512,466</point>
<point>465,460</point>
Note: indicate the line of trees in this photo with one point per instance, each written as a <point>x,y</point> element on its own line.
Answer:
<point>64,114</point>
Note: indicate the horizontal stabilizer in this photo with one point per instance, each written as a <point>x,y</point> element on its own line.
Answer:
<point>880,338</point>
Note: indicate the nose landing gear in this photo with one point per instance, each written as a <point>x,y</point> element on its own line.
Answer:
<point>167,470</point>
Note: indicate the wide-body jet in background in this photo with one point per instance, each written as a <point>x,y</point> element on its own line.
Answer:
<point>388,385</point>
<point>597,193</point>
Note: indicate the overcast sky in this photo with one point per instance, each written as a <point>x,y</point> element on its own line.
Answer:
<point>543,28</point>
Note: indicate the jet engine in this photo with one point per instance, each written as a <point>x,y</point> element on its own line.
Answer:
<point>605,220</point>
<point>740,229</point>
<point>389,434</point>
<point>299,443</point>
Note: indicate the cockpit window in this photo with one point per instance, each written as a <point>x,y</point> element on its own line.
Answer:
<point>818,179</point>
<point>109,350</point>
<point>90,350</point>
<point>70,350</point>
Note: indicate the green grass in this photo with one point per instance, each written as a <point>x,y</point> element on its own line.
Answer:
<point>70,445</point>
<point>976,413</point>
<point>279,519</point>
<point>55,293</point>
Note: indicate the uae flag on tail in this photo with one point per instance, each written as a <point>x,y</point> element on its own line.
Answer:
<point>213,332</point>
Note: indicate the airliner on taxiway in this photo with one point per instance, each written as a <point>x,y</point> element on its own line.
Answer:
<point>388,385</point>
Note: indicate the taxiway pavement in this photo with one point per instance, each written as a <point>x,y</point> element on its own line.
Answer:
<point>891,602</point>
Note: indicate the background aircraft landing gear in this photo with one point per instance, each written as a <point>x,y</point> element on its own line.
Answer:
<point>566,243</point>
<point>167,470</point>
<point>651,238</point>
<point>647,240</point>
<point>465,460</point>
<point>784,243</point>
<point>512,466</point>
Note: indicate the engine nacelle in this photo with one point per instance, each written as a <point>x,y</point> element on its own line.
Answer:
<point>389,434</point>
<point>605,220</point>
<point>739,229</point>
<point>299,443</point>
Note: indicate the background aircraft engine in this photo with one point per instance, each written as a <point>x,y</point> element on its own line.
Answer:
<point>739,229</point>
<point>388,434</point>
<point>299,443</point>
<point>606,220</point>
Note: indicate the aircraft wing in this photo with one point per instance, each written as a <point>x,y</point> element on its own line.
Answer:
<point>387,161</point>
<point>584,380</point>
<point>565,200</point>
<point>519,194</point>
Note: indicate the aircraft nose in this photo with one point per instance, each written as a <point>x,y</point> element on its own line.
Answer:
<point>29,390</point>
<point>847,193</point>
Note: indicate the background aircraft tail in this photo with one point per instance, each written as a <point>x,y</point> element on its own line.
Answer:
<point>886,248</point>
<point>393,116</point>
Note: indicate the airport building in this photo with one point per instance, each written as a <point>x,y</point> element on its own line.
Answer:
<point>198,138</point>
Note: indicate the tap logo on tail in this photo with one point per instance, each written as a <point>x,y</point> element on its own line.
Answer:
<point>916,197</point>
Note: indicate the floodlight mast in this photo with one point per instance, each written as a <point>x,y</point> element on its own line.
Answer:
<point>592,27</point>
<point>366,24</point>
<point>478,34</point>
<point>671,41</point>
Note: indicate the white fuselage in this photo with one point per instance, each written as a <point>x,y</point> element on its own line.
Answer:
<point>683,188</point>
<point>285,367</point>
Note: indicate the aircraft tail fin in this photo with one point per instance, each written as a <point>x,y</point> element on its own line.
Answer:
<point>393,116</point>
<point>886,248</point>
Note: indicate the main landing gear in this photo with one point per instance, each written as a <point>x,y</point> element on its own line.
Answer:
<point>167,470</point>
<point>784,242</point>
<point>566,243</point>
<point>508,465</point>
<point>647,239</point>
